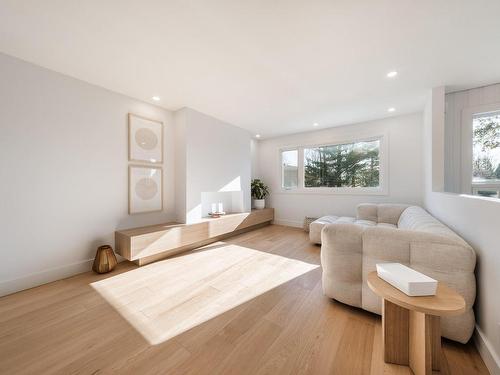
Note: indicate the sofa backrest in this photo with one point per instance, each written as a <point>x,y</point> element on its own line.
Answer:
<point>418,219</point>
<point>380,213</point>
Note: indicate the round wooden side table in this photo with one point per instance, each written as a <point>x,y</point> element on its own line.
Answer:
<point>411,328</point>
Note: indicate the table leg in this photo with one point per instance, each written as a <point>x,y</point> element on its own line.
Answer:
<point>395,322</point>
<point>436,342</point>
<point>424,343</point>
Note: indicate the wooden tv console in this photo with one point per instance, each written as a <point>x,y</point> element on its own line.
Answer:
<point>148,244</point>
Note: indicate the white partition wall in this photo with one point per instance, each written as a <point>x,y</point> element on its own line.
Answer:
<point>214,164</point>
<point>476,219</point>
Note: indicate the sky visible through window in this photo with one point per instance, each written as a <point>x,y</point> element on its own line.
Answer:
<point>290,158</point>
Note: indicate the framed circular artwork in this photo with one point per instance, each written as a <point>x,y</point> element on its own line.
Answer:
<point>145,189</point>
<point>145,139</point>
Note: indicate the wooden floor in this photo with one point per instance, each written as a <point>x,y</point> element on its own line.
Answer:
<point>278,322</point>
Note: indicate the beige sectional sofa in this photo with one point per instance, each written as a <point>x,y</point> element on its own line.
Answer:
<point>394,233</point>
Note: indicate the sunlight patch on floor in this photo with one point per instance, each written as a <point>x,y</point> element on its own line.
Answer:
<point>169,297</point>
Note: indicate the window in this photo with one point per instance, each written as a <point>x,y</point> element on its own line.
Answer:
<point>345,167</point>
<point>486,148</point>
<point>290,169</point>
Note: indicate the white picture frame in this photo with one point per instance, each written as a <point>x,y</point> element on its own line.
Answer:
<point>145,189</point>
<point>145,139</point>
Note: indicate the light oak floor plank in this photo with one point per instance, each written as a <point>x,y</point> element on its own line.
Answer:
<point>249,305</point>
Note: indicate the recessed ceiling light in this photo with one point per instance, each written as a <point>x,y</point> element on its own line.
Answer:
<point>257,135</point>
<point>156,98</point>
<point>315,124</point>
<point>392,74</point>
<point>392,109</point>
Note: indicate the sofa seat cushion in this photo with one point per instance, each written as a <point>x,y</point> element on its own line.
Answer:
<point>386,225</point>
<point>316,226</point>
<point>325,220</point>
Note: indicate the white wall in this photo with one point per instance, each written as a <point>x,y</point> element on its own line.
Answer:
<point>477,220</point>
<point>63,172</point>
<point>404,174</point>
<point>180,152</point>
<point>254,149</point>
<point>214,158</point>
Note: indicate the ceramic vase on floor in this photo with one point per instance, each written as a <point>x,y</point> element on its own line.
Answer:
<point>105,259</point>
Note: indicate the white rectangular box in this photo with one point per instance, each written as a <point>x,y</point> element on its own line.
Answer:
<point>407,280</point>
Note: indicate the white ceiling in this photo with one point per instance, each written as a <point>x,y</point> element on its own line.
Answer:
<point>272,67</point>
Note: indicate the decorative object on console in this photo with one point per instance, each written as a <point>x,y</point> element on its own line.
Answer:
<point>259,193</point>
<point>145,139</point>
<point>105,259</point>
<point>406,279</point>
<point>217,212</point>
<point>215,215</point>
<point>145,189</point>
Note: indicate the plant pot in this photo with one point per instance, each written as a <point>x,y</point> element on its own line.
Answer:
<point>259,204</point>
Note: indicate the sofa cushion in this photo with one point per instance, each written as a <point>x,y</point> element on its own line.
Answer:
<point>386,225</point>
<point>417,219</point>
<point>365,222</point>
<point>317,226</point>
<point>367,211</point>
<point>345,219</point>
<point>388,213</point>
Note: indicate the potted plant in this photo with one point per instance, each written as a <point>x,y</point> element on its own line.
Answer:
<point>259,193</point>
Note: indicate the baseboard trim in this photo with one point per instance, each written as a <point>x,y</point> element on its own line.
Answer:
<point>487,352</point>
<point>44,277</point>
<point>289,223</point>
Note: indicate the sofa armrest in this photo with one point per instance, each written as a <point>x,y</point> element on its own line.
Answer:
<point>341,258</point>
<point>440,253</point>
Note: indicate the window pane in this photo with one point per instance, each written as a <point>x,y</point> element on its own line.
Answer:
<point>290,169</point>
<point>347,165</point>
<point>486,149</point>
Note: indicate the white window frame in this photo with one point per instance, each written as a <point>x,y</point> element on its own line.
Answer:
<point>382,189</point>
<point>468,115</point>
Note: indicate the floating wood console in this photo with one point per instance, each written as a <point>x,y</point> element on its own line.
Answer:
<point>148,244</point>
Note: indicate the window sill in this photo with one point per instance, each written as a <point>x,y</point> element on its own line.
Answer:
<point>492,183</point>
<point>334,191</point>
